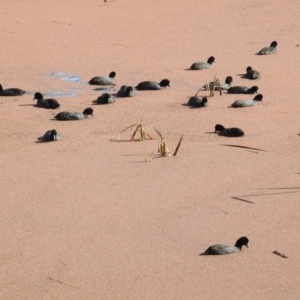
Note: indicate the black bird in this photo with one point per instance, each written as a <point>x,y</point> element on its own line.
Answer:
<point>248,102</point>
<point>197,102</point>
<point>49,136</point>
<point>252,74</point>
<point>221,249</point>
<point>229,132</point>
<point>45,103</point>
<point>11,92</point>
<point>106,98</point>
<point>223,85</point>
<point>70,116</point>
<point>269,50</point>
<point>126,91</point>
<point>242,90</point>
<point>103,80</point>
<point>152,85</point>
<point>203,65</point>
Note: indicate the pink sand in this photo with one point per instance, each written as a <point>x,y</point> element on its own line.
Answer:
<point>87,217</point>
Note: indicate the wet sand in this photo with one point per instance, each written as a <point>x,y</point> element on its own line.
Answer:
<point>86,217</point>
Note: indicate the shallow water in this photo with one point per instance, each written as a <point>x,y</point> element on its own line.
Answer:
<point>66,77</point>
<point>71,92</point>
<point>59,93</point>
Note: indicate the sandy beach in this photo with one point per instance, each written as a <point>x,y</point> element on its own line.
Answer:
<point>87,217</point>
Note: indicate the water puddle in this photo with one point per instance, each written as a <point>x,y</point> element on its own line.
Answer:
<point>59,93</point>
<point>71,92</point>
<point>66,77</point>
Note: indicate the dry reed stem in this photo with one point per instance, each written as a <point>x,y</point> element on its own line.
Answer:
<point>126,129</point>
<point>147,157</point>
<point>159,133</point>
<point>162,145</point>
<point>150,137</point>
<point>210,87</point>
<point>207,88</point>
<point>164,150</point>
<point>178,145</point>
<point>198,92</point>
<point>137,128</point>
<point>217,83</point>
<point>143,133</point>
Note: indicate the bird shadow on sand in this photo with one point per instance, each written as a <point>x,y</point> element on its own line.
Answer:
<point>102,89</point>
<point>41,141</point>
<point>191,107</point>
<point>242,76</point>
<point>94,102</point>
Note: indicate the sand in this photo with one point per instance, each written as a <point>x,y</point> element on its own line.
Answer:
<point>86,217</point>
